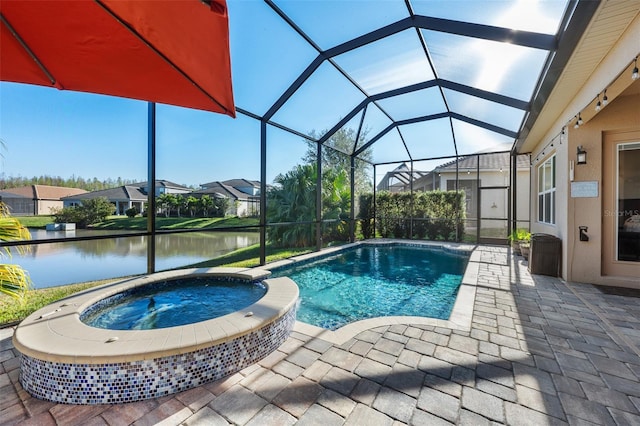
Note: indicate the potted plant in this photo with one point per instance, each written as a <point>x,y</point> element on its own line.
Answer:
<point>516,237</point>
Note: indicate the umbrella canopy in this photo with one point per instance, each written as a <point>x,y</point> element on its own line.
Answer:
<point>173,52</point>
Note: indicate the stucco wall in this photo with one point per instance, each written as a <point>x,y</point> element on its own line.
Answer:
<point>45,206</point>
<point>585,257</point>
<point>582,261</point>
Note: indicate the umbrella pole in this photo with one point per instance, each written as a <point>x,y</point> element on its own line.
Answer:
<point>151,192</point>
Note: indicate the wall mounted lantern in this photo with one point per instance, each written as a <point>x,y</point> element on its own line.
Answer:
<point>581,156</point>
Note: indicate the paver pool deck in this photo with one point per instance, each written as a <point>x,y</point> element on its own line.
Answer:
<point>539,351</point>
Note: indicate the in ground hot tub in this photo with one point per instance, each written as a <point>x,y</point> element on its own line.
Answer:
<point>65,360</point>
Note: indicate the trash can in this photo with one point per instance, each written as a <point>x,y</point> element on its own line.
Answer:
<point>545,256</point>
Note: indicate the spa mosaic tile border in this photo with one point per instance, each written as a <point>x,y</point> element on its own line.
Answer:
<point>132,381</point>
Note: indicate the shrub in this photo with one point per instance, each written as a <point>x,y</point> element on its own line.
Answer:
<point>91,211</point>
<point>366,215</point>
<point>132,212</point>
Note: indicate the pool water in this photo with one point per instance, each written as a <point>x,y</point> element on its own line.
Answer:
<point>376,281</point>
<point>172,303</point>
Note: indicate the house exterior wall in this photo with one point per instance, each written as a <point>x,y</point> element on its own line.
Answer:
<point>44,206</point>
<point>584,257</point>
<point>582,261</point>
<point>243,208</point>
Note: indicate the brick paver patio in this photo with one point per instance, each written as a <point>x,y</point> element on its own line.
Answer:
<point>540,351</point>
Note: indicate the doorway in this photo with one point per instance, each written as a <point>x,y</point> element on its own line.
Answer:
<point>621,205</point>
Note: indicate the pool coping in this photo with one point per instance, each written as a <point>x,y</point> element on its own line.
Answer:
<point>461,314</point>
<point>56,334</point>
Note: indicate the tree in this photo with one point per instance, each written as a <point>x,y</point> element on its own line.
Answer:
<point>343,142</point>
<point>221,205</point>
<point>13,279</point>
<point>192,204</point>
<point>91,211</point>
<point>293,199</point>
<point>180,203</point>
<point>166,202</point>
<point>206,204</point>
<point>336,203</point>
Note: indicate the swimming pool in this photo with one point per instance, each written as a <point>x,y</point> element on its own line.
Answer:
<point>372,280</point>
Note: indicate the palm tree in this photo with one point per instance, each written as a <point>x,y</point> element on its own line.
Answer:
<point>13,279</point>
<point>293,199</point>
<point>206,203</point>
<point>166,202</point>
<point>180,204</point>
<point>192,204</point>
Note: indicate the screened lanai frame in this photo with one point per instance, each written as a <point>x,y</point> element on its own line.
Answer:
<point>557,48</point>
<point>376,99</point>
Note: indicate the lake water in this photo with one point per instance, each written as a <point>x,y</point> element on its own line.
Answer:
<point>60,263</point>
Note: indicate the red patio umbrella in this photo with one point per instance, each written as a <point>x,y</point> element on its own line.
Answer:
<point>172,51</point>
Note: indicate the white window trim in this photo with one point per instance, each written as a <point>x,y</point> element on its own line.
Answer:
<point>541,194</point>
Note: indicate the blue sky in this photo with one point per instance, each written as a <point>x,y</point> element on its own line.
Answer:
<point>62,133</point>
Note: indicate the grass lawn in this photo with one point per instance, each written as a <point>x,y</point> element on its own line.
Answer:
<point>35,221</point>
<point>12,310</point>
<point>249,257</point>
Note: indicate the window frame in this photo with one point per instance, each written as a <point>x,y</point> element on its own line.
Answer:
<point>547,191</point>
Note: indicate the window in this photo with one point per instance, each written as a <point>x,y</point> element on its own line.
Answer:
<point>547,191</point>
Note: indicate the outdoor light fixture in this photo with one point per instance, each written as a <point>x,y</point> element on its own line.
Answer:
<point>581,156</point>
<point>605,100</point>
<point>575,126</point>
<point>598,105</point>
<point>580,122</point>
<point>634,73</point>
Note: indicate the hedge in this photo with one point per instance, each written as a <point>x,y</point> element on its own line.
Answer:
<point>433,215</point>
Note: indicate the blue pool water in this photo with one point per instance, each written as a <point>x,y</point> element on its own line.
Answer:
<point>375,281</point>
<point>172,303</point>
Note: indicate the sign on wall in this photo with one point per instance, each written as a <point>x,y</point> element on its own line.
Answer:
<point>588,189</point>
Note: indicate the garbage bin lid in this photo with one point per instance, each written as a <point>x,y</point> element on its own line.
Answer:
<point>544,237</point>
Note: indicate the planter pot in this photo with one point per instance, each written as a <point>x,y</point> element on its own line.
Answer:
<point>524,249</point>
<point>515,247</point>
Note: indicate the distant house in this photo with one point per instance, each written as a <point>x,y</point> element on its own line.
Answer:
<point>243,195</point>
<point>128,196</point>
<point>163,187</point>
<point>34,200</point>
<point>251,187</point>
<point>123,197</point>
